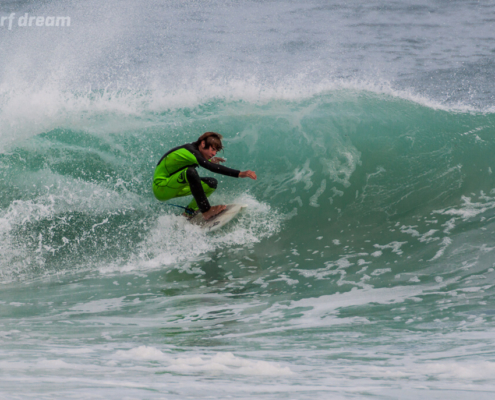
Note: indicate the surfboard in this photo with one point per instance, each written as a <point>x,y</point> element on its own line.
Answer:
<point>218,220</point>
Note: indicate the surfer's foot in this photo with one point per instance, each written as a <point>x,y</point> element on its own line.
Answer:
<point>213,211</point>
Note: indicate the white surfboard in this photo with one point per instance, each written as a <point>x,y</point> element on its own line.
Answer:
<point>218,220</point>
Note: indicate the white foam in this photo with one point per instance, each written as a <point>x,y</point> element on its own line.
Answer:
<point>468,209</point>
<point>52,364</point>
<point>395,246</point>
<point>55,196</point>
<point>230,364</point>
<point>61,194</point>
<point>444,370</point>
<point>226,363</point>
<point>143,353</point>
<point>381,271</point>
<point>73,351</point>
<point>344,161</point>
<point>446,242</point>
<point>303,174</point>
<point>323,310</point>
<point>313,200</point>
<point>449,225</point>
<point>163,244</point>
<point>286,279</point>
<point>457,370</point>
<point>98,306</point>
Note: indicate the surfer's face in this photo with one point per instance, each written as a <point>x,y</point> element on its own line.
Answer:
<point>207,152</point>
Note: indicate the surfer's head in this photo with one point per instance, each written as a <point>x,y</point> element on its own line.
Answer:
<point>209,144</point>
<point>211,139</point>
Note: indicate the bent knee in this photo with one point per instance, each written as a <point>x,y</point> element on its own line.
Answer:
<point>191,173</point>
<point>211,182</point>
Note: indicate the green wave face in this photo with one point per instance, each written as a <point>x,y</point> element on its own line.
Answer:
<point>349,181</point>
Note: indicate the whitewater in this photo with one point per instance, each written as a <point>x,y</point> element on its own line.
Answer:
<point>364,264</point>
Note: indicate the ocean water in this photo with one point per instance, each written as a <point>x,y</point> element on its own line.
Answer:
<point>364,266</point>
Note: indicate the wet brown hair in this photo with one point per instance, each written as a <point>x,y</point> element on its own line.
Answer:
<point>211,139</point>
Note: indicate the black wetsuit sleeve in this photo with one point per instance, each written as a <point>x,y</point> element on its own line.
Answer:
<point>217,168</point>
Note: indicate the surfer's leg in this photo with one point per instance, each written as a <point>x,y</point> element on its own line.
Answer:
<point>200,190</point>
<point>208,185</point>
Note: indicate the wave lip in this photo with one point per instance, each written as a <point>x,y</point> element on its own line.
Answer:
<point>26,111</point>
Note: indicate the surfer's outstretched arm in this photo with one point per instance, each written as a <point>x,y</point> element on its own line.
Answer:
<point>248,174</point>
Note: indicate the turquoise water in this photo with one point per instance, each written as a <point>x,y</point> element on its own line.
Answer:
<point>363,266</point>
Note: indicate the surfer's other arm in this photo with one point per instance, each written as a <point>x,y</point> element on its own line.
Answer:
<point>242,174</point>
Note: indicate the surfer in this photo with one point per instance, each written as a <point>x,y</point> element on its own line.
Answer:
<point>176,175</point>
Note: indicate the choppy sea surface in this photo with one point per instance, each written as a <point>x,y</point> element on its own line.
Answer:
<point>364,264</point>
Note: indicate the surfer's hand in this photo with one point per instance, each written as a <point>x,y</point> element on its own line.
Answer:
<point>248,174</point>
<point>217,160</point>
